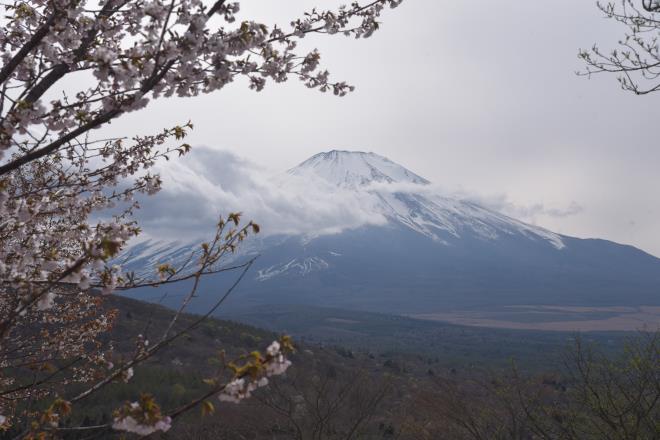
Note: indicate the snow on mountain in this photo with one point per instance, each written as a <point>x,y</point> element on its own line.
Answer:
<point>296,266</point>
<point>401,196</point>
<point>144,257</point>
<point>354,169</point>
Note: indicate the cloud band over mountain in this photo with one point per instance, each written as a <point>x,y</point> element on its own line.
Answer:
<point>208,182</point>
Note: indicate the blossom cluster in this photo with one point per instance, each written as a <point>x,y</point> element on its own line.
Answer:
<point>255,374</point>
<point>142,417</point>
<point>241,388</point>
<point>40,340</point>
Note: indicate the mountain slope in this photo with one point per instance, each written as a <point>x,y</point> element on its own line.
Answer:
<point>426,252</point>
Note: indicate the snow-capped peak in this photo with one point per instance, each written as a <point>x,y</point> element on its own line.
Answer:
<point>415,204</point>
<point>355,169</point>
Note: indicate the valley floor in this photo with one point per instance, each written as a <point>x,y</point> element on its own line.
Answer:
<point>554,318</point>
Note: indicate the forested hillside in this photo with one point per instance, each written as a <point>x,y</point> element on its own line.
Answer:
<point>332,392</point>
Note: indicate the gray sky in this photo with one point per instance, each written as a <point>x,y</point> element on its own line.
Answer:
<point>478,97</point>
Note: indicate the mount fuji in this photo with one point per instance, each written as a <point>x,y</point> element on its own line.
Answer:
<point>423,252</point>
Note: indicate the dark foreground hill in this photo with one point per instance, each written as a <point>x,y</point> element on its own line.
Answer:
<point>382,379</point>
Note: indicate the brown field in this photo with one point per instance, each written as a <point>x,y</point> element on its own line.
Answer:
<point>342,321</point>
<point>555,318</point>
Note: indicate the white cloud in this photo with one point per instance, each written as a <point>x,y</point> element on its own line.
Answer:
<point>208,183</point>
<point>528,213</point>
<point>501,203</point>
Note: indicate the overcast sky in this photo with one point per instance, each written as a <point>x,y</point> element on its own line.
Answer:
<point>478,97</point>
